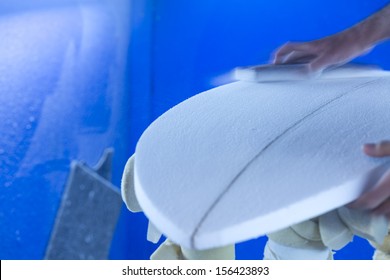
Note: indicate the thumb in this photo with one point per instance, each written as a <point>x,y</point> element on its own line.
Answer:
<point>380,149</point>
<point>319,64</point>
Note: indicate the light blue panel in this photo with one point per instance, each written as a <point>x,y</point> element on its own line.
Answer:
<point>63,97</point>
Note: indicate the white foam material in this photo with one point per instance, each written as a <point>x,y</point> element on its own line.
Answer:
<point>153,235</point>
<point>127,187</point>
<point>221,253</point>
<point>276,251</point>
<point>167,251</point>
<point>245,159</point>
<point>308,230</point>
<point>335,233</point>
<point>365,224</point>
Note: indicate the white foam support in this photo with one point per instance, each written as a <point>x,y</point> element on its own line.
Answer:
<point>276,251</point>
<point>365,224</point>
<point>383,246</point>
<point>246,159</point>
<point>127,187</point>
<point>334,232</point>
<point>153,235</point>
<point>167,251</point>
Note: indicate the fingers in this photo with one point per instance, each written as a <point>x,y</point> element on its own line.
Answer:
<point>319,64</point>
<point>378,198</point>
<point>383,209</point>
<point>282,52</point>
<point>293,52</point>
<point>303,53</point>
<point>380,149</point>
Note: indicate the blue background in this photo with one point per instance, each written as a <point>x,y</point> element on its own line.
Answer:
<point>78,76</point>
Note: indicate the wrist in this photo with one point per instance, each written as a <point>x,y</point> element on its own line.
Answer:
<point>374,29</point>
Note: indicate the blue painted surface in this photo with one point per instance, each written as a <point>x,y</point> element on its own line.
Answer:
<point>77,76</point>
<point>63,97</point>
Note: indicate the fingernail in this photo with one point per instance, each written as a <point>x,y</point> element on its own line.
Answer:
<point>369,146</point>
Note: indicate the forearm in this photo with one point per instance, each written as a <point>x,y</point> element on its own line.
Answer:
<point>372,30</point>
<point>338,48</point>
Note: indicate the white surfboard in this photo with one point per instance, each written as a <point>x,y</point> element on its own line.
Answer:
<point>245,159</point>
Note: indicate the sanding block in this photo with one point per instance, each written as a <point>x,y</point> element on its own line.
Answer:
<point>298,72</point>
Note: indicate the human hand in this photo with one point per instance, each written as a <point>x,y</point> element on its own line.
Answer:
<point>323,53</point>
<point>378,199</point>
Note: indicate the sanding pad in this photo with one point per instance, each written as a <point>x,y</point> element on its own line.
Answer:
<point>298,72</point>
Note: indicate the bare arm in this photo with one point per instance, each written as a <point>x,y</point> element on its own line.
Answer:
<point>374,29</point>
<point>338,48</point>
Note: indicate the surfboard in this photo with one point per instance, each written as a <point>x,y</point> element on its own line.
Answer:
<point>249,158</point>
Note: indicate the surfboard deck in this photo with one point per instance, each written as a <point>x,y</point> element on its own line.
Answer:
<point>245,159</point>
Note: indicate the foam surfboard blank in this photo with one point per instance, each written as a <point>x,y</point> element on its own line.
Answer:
<point>245,159</point>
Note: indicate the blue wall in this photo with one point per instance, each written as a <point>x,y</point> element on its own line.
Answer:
<point>77,76</point>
